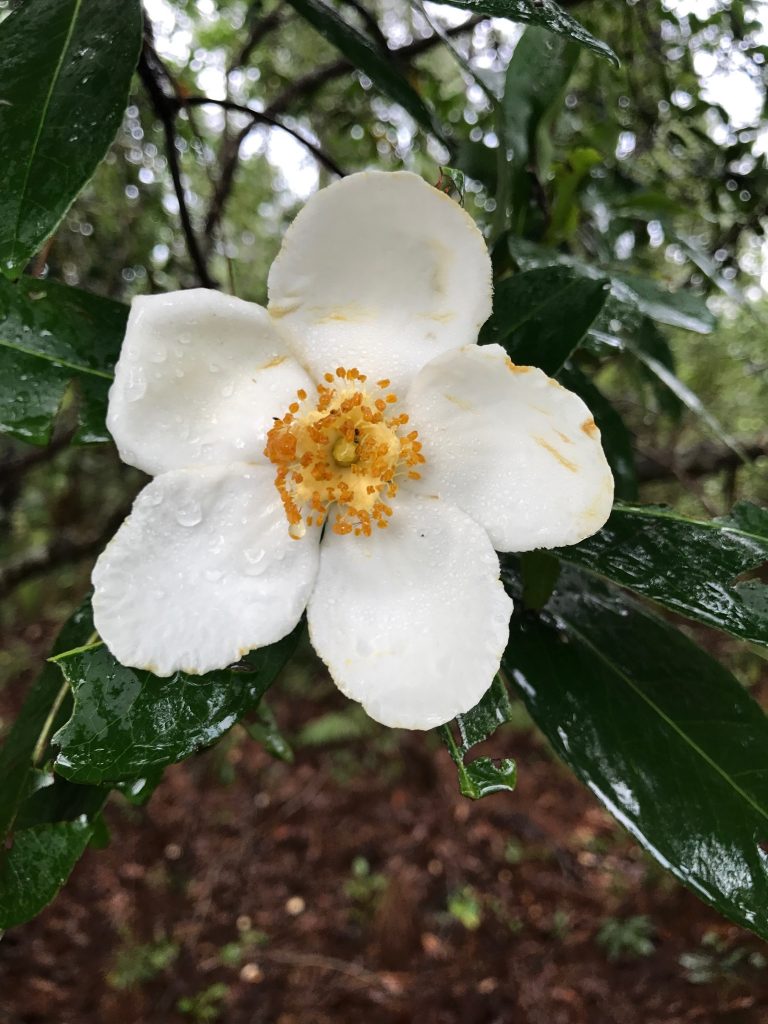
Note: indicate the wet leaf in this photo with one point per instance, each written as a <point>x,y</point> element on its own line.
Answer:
<point>266,732</point>
<point>127,723</point>
<point>64,81</point>
<point>540,316</point>
<point>690,566</point>
<point>23,749</point>
<point>369,57</point>
<point>683,308</point>
<point>483,775</point>
<point>50,336</point>
<point>37,865</point>
<point>544,13</point>
<point>663,735</point>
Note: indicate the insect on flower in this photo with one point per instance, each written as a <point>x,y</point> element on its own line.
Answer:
<point>349,451</point>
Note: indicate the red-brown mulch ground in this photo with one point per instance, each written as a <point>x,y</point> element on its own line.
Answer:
<point>238,877</point>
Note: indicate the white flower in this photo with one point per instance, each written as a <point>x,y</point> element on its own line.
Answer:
<point>349,451</point>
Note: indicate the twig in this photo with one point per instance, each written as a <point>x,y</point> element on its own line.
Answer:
<point>302,88</point>
<point>259,29</point>
<point>314,80</point>
<point>258,117</point>
<point>325,963</point>
<point>63,550</point>
<point>166,108</point>
<point>702,459</point>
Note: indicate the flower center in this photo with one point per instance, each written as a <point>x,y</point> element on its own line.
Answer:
<point>345,448</point>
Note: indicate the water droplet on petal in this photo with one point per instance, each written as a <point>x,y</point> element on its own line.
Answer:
<point>297,530</point>
<point>213,574</point>
<point>189,514</point>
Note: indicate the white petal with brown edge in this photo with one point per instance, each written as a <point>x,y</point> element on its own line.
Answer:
<point>382,272</point>
<point>412,621</point>
<point>202,571</point>
<point>199,378</point>
<point>510,446</point>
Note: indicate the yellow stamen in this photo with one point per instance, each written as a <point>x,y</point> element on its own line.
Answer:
<point>344,449</point>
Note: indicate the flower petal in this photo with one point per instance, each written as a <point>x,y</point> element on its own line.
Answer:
<point>412,621</point>
<point>202,571</point>
<point>510,446</point>
<point>199,379</point>
<point>382,272</point>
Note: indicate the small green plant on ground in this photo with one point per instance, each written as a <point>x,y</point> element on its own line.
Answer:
<point>626,937</point>
<point>715,962</point>
<point>364,887</point>
<point>137,963</point>
<point>465,906</point>
<point>207,1005</point>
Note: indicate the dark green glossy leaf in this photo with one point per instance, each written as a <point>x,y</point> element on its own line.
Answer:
<point>36,867</point>
<point>24,748</point>
<point>668,740</point>
<point>127,722</point>
<point>138,791</point>
<point>615,436</point>
<point>539,571</point>
<point>51,335</point>
<point>540,316</point>
<point>682,308</point>
<point>367,56</point>
<point>536,77</point>
<point>682,392</point>
<point>64,81</point>
<point>687,565</point>
<point>483,775</point>
<point>544,13</point>
<point>266,732</point>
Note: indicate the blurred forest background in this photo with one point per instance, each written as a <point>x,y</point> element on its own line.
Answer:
<point>528,908</point>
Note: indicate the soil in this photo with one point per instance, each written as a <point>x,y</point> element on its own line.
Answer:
<point>357,885</point>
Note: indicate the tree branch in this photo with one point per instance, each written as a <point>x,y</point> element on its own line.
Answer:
<point>702,460</point>
<point>260,118</point>
<point>308,84</point>
<point>166,108</point>
<point>302,88</point>
<point>63,550</point>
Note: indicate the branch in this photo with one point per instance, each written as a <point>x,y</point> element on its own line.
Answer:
<point>310,83</point>
<point>702,460</point>
<point>302,88</point>
<point>260,118</point>
<point>63,550</point>
<point>259,29</point>
<point>166,108</point>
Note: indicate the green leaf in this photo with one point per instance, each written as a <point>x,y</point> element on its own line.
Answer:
<point>64,81</point>
<point>37,865</point>
<point>687,565</point>
<point>544,13</point>
<point>536,76</point>
<point>540,316</point>
<point>539,570</point>
<point>26,744</point>
<point>483,775</point>
<point>369,57</point>
<point>127,723</point>
<point>663,735</point>
<point>615,436</point>
<point>50,336</point>
<point>266,732</point>
<point>682,308</point>
<point>683,393</point>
